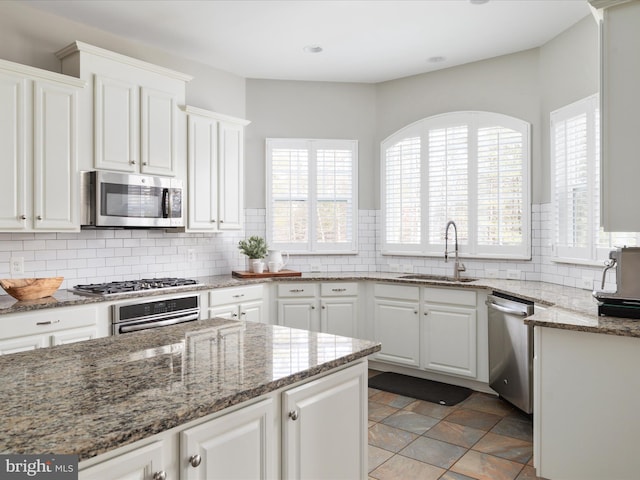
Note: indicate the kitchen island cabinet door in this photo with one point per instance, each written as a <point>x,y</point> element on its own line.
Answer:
<point>144,463</point>
<point>325,427</point>
<point>239,445</point>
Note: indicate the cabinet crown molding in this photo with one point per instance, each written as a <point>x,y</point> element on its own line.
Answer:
<point>38,73</point>
<point>598,4</point>
<point>134,62</point>
<point>189,110</point>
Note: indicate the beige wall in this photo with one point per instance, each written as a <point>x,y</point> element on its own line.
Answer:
<point>32,37</point>
<point>309,110</point>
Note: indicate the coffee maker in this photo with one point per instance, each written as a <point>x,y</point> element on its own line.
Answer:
<point>625,300</point>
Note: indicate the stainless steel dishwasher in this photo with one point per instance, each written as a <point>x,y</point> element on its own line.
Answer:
<point>511,349</point>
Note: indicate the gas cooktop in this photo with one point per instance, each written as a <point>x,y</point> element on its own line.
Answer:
<point>112,288</point>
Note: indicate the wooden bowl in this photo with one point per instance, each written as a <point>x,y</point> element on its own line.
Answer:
<point>31,288</point>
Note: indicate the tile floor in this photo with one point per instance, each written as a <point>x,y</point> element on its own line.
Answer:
<point>483,438</point>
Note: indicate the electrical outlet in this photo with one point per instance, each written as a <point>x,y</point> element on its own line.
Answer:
<point>191,255</point>
<point>394,268</point>
<point>586,283</point>
<point>513,274</point>
<point>407,268</point>
<point>315,267</point>
<point>491,273</point>
<point>16,265</point>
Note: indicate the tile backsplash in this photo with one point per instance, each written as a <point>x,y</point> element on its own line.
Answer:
<point>92,256</point>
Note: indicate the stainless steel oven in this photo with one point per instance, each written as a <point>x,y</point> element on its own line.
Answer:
<point>140,314</point>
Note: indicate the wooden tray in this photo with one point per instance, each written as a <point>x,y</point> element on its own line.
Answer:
<point>281,273</point>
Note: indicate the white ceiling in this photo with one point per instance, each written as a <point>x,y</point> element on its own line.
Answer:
<point>363,41</point>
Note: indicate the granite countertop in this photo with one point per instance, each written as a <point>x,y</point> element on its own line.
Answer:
<point>566,307</point>
<point>90,397</point>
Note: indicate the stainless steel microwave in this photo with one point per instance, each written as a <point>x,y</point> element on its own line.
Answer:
<point>111,199</point>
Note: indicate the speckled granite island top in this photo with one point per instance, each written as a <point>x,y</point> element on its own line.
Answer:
<point>90,397</point>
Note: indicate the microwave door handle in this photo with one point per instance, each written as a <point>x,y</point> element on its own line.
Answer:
<point>165,203</point>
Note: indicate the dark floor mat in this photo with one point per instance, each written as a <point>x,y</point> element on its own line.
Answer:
<point>428,390</point>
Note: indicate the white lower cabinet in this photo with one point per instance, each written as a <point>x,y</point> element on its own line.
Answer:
<point>58,326</point>
<point>325,430</point>
<point>235,446</point>
<point>144,463</point>
<point>396,324</point>
<point>339,309</point>
<point>329,307</point>
<point>238,303</point>
<point>298,306</point>
<point>449,331</point>
<point>316,430</point>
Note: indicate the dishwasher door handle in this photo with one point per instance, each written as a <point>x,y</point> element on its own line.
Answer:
<point>502,309</point>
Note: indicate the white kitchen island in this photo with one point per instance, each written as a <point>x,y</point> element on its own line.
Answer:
<point>196,400</point>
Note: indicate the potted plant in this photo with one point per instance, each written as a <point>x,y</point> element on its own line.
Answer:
<point>255,248</point>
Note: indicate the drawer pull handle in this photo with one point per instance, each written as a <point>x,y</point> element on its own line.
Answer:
<point>243,313</point>
<point>161,475</point>
<point>297,290</point>
<point>338,289</point>
<point>195,460</point>
<point>48,322</point>
<point>293,415</point>
<point>239,295</point>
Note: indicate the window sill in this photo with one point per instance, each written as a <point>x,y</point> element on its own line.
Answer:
<point>577,261</point>
<point>466,256</point>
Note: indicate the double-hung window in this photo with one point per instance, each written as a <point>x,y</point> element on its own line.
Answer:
<point>312,195</point>
<point>575,180</point>
<point>469,167</point>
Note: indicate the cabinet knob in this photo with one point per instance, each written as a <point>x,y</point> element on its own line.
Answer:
<point>415,311</point>
<point>195,460</point>
<point>132,162</point>
<point>323,307</point>
<point>39,217</point>
<point>426,313</point>
<point>243,313</point>
<point>313,307</point>
<point>221,221</point>
<point>161,475</point>
<point>213,221</point>
<point>234,315</point>
<point>293,415</point>
<point>145,163</point>
<point>23,217</point>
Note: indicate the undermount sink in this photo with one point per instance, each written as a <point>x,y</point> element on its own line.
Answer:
<point>437,278</point>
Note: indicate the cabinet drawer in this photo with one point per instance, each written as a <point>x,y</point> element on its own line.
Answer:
<point>339,289</point>
<point>297,290</point>
<point>400,292</point>
<point>449,295</point>
<point>51,320</point>
<point>223,296</point>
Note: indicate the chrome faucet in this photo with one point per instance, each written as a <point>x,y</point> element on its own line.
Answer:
<point>457,266</point>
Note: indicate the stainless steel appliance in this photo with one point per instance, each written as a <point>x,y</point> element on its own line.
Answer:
<point>625,300</point>
<point>511,349</point>
<point>113,288</point>
<point>140,314</point>
<point>111,199</point>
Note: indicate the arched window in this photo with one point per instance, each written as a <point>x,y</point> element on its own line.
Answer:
<point>469,167</point>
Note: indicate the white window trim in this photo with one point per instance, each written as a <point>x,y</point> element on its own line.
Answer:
<point>474,119</point>
<point>312,247</point>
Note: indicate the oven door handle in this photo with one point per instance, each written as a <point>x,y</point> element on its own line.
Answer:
<point>154,324</point>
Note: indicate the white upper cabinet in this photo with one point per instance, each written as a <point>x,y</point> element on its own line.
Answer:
<point>620,97</point>
<point>38,148</point>
<point>215,164</point>
<point>129,113</point>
